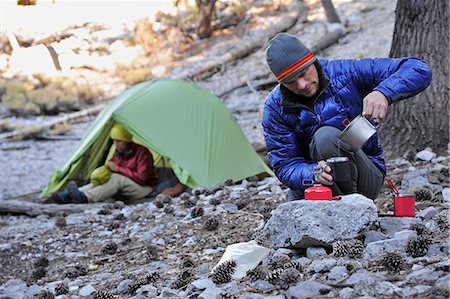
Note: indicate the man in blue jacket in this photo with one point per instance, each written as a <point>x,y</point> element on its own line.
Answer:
<point>305,114</point>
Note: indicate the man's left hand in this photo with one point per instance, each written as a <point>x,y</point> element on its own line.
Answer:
<point>375,105</point>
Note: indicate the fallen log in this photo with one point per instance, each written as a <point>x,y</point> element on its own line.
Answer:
<point>19,207</point>
<point>297,11</point>
<point>72,117</point>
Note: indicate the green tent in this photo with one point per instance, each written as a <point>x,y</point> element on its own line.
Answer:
<point>183,123</point>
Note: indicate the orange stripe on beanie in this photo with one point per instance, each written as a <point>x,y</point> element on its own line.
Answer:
<point>286,56</point>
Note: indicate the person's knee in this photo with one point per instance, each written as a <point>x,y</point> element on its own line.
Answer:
<point>325,142</point>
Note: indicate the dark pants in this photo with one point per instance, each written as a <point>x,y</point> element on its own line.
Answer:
<point>366,178</point>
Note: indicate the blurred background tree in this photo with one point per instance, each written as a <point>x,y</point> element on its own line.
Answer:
<point>422,30</point>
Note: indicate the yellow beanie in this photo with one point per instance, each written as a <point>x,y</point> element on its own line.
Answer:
<point>119,133</point>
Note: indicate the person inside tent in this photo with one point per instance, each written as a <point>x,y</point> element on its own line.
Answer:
<point>129,174</point>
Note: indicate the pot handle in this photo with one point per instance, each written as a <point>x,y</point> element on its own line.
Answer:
<point>376,121</point>
<point>391,184</point>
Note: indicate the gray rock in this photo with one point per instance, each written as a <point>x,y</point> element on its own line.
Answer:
<point>305,223</point>
<point>13,288</point>
<point>86,290</point>
<point>425,155</point>
<point>424,275</point>
<point>427,213</point>
<point>122,288</point>
<point>377,289</point>
<point>306,289</point>
<point>338,273</point>
<point>323,265</point>
<point>312,252</point>
<point>168,293</point>
<point>443,282</point>
<point>418,289</point>
<point>413,179</point>
<point>363,275</point>
<point>5,247</point>
<point>374,236</point>
<point>446,195</point>
<point>258,296</point>
<point>261,285</point>
<point>346,293</point>
<point>405,234</point>
<point>147,291</point>
<point>391,225</point>
<point>32,290</point>
<point>378,248</point>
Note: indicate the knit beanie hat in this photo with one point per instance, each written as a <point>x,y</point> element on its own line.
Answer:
<point>119,133</point>
<point>287,56</point>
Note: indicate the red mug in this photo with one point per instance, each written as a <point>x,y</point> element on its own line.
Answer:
<point>404,206</point>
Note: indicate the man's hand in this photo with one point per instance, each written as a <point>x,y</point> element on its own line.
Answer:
<point>375,105</point>
<point>113,166</point>
<point>325,176</point>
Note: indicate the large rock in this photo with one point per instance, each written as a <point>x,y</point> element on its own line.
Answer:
<point>317,223</point>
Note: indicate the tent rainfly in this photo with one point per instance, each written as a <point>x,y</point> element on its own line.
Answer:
<point>185,124</point>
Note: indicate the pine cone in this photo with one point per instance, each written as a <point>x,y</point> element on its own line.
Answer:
<point>118,205</point>
<point>41,262</point>
<point>260,272</point>
<point>224,272</point>
<point>115,224</point>
<point>196,212</point>
<point>215,201</point>
<point>278,261</point>
<point>152,252</point>
<point>242,203</point>
<point>274,276</point>
<point>135,285</point>
<point>226,295</point>
<point>393,262</point>
<point>153,277</point>
<point>183,279</point>
<point>289,276</point>
<point>228,182</point>
<point>159,204</point>
<point>421,229</point>
<point>119,216</point>
<point>189,202</point>
<point>211,223</point>
<point>351,248</point>
<point>423,193</point>
<point>103,295</point>
<point>292,264</point>
<point>418,246</point>
<point>266,211</point>
<point>104,211</point>
<point>185,195</point>
<point>442,220</point>
<point>60,221</point>
<point>39,273</point>
<point>169,210</point>
<point>45,294</point>
<point>61,289</point>
<point>76,271</point>
<point>110,248</point>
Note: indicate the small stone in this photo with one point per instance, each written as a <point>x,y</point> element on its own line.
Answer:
<point>86,290</point>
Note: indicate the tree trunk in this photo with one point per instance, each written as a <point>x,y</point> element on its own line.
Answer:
<point>422,30</point>
<point>330,11</point>
<point>206,9</point>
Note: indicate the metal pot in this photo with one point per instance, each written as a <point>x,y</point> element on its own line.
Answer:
<point>357,132</point>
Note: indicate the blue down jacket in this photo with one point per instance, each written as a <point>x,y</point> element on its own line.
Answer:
<point>289,124</point>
